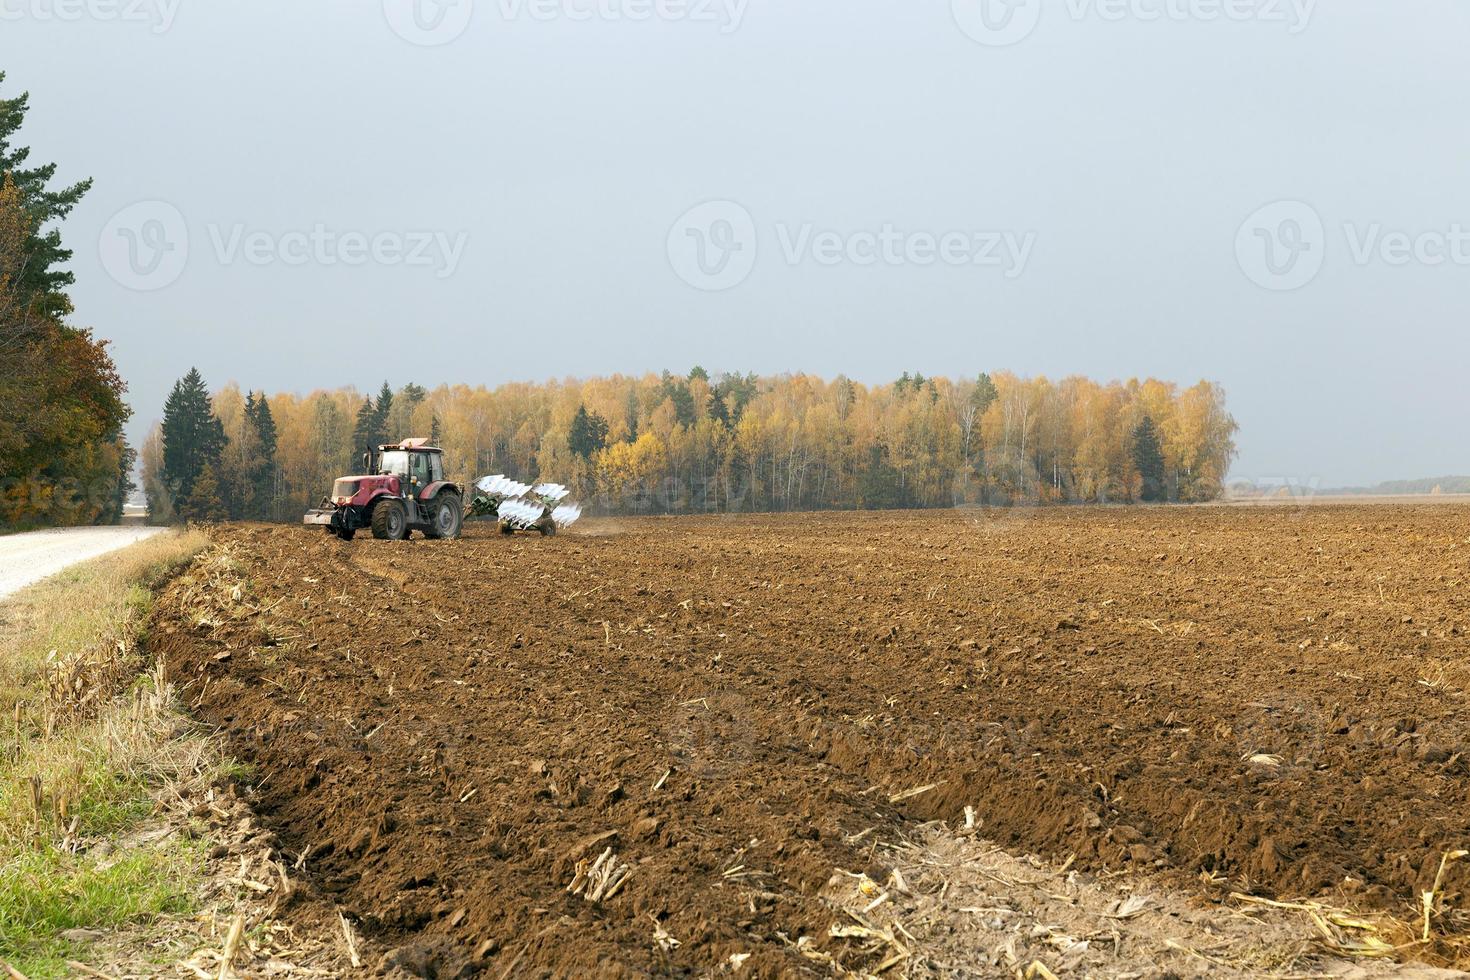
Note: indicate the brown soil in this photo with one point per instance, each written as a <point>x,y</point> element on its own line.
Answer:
<point>1267,700</point>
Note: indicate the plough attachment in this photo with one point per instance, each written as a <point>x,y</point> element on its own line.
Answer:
<point>523,507</point>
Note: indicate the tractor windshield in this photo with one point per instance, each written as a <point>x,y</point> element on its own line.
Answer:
<point>395,462</point>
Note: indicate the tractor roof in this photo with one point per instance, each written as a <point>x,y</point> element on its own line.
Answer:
<point>418,445</point>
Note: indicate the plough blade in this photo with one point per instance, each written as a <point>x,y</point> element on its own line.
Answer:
<point>523,507</point>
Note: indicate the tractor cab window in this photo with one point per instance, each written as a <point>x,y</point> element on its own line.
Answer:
<point>420,471</point>
<point>396,463</point>
<point>436,467</point>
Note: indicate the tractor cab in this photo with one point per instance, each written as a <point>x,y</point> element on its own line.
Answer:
<point>412,461</point>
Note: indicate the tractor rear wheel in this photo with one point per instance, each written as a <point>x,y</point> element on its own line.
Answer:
<point>390,521</point>
<point>445,516</point>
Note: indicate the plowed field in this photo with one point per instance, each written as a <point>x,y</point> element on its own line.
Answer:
<point>1269,700</point>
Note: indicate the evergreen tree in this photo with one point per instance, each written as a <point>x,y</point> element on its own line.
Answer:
<point>263,467</point>
<point>846,394</point>
<point>677,391</point>
<point>717,409</point>
<point>880,489</point>
<point>736,392</point>
<point>981,399</point>
<point>984,393</point>
<point>398,422</point>
<point>1148,459</point>
<point>365,435</point>
<point>382,411</point>
<point>40,279</point>
<point>206,503</point>
<point>632,415</point>
<point>588,433</point>
<point>193,437</point>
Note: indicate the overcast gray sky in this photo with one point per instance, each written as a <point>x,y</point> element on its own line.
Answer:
<point>295,195</point>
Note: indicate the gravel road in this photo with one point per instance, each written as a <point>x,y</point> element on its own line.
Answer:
<point>30,557</point>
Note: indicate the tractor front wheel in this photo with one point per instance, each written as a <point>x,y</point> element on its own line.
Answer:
<point>390,521</point>
<point>446,515</point>
<point>344,533</point>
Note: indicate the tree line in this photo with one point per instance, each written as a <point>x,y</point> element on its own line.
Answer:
<point>710,443</point>
<point>63,458</point>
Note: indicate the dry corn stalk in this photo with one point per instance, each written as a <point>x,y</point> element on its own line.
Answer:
<point>602,879</point>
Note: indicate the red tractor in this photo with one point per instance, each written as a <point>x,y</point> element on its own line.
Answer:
<point>405,492</point>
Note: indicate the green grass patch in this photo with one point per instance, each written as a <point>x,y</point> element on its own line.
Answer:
<point>44,893</point>
<point>89,733</point>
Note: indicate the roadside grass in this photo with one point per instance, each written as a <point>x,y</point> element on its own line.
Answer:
<point>91,734</point>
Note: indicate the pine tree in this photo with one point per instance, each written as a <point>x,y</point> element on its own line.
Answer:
<point>879,489</point>
<point>632,415</point>
<point>365,435</point>
<point>40,279</point>
<point>677,391</point>
<point>382,412</point>
<point>588,433</point>
<point>981,399</point>
<point>263,469</point>
<point>206,502</point>
<point>984,393</point>
<point>193,437</point>
<point>1148,459</point>
<point>717,409</point>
